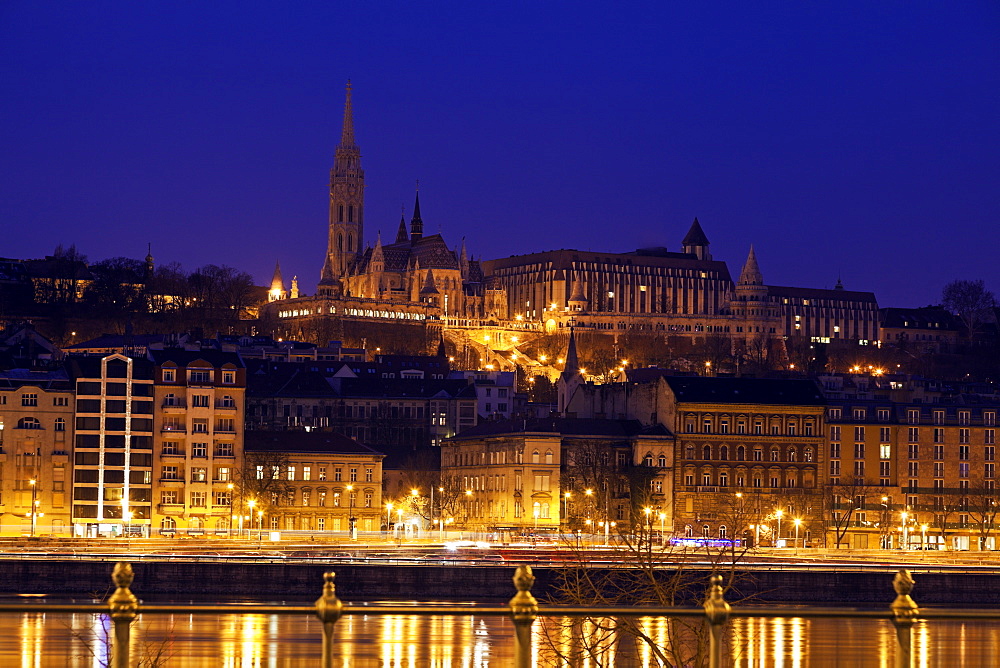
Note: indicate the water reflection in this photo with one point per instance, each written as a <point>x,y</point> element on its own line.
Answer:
<point>39,640</point>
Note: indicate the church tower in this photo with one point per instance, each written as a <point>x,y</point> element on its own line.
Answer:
<point>347,204</point>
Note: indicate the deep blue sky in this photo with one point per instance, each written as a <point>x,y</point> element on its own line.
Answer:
<point>844,139</point>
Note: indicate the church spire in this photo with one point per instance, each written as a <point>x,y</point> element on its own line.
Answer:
<point>695,242</point>
<point>572,366</point>
<point>416,223</point>
<point>347,133</point>
<point>277,290</point>
<point>401,234</point>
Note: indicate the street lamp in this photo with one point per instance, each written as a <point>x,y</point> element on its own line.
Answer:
<point>906,543</point>
<point>34,504</point>
<point>230,488</point>
<point>251,504</point>
<point>798,523</point>
<point>778,513</point>
<point>566,498</point>
<point>388,517</point>
<point>260,526</point>
<point>441,519</point>
<point>414,493</point>
<point>351,519</point>
<point>923,536</point>
<point>663,516</point>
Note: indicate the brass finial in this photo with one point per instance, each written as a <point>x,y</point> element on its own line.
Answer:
<point>716,607</point>
<point>524,606</point>
<point>123,603</point>
<point>329,608</point>
<point>904,607</point>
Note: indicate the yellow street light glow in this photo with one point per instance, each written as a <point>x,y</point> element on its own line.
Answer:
<point>797,521</point>
<point>542,358</point>
<point>414,492</point>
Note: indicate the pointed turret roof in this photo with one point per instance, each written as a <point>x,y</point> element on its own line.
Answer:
<point>430,288</point>
<point>441,350</point>
<point>277,283</point>
<point>751,271</point>
<point>416,223</point>
<point>695,236</point>
<point>577,294</point>
<point>401,233</point>
<point>572,367</point>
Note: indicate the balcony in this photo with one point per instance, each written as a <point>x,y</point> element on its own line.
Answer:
<point>176,406</point>
<point>173,429</point>
<point>170,508</point>
<point>224,406</point>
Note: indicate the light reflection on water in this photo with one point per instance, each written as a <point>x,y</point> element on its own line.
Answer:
<point>39,640</point>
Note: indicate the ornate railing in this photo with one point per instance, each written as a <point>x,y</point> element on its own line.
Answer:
<point>123,607</point>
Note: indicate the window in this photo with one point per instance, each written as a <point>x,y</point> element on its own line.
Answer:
<point>913,434</point>
<point>989,418</point>
<point>791,429</point>
<point>809,429</point>
<point>199,474</point>
<point>368,499</point>
<point>225,474</point>
<point>535,457</point>
<point>758,428</point>
<point>938,435</point>
<point>321,498</point>
<point>963,435</point>
<point>29,423</point>
<point>321,473</point>
<point>859,433</point>
<point>989,470</point>
<point>883,414</point>
<point>307,473</point>
<point>228,377</point>
<point>989,453</point>
<point>354,474</point>
<point>913,451</point>
<point>859,450</point>
<point>199,400</point>
<point>938,417</point>
<point>963,469</point>
<point>834,468</point>
<point>291,473</point>
<point>168,497</point>
<point>963,452</point>
<point>834,413</point>
<point>227,402</point>
<point>963,417</point>
<point>724,427</point>
<point>227,425</point>
<point>199,376</point>
<point>171,473</point>
<point>706,426</point>
<point>60,424</point>
<point>224,498</point>
<point>60,401</point>
<point>913,468</point>
<point>913,416</point>
<point>807,455</point>
<point>337,474</point>
<point>834,433</point>
<point>883,434</point>
<point>199,449</point>
<point>774,455</point>
<point>199,426</point>
<point>223,449</point>
<point>859,414</point>
<point>859,469</point>
<point>758,455</point>
<point>29,399</point>
<point>989,436</point>
<point>198,499</point>
<point>169,375</point>
<point>884,451</point>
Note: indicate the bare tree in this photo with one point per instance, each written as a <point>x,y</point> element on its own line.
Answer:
<point>971,301</point>
<point>263,479</point>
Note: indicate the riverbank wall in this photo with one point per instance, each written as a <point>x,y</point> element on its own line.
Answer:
<point>224,581</point>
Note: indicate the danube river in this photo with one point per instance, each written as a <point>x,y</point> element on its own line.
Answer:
<point>37,640</point>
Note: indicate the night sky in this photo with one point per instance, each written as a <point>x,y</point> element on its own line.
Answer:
<point>840,139</point>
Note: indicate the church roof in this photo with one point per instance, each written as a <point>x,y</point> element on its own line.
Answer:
<point>431,251</point>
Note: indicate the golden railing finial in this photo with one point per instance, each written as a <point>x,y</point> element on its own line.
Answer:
<point>329,608</point>
<point>123,602</point>
<point>716,607</point>
<point>524,605</point>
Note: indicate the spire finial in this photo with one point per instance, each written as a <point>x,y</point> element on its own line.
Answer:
<point>347,135</point>
<point>416,223</point>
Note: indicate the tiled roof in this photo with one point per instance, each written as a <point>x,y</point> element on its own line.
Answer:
<point>303,441</point>
<point>791,392</point>
<point>564,427</point>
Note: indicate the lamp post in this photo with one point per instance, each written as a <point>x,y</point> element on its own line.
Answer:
<point>468,509</point>
<point>230,531</point>
<point>34,504</point>
<point>415,494</point>
<point>778,513</point>
<point>441,519</point>
<point>798,523</point>
<point>923,536</point>
<point>260,526</point>
<point>566,498</point>
<point>906,542</point>
<point>251,504</point>
<point>351,519</point>
<point>388,518</point>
